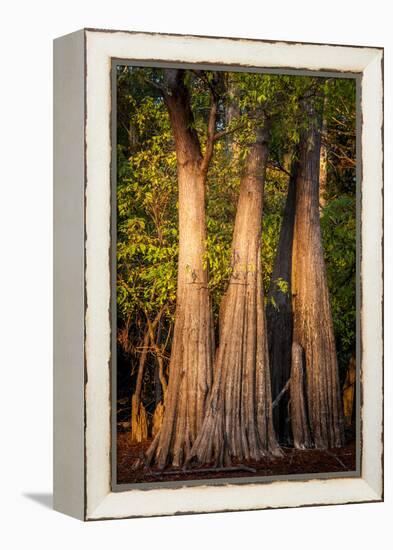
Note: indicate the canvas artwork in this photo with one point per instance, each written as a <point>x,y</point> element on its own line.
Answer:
<point>218,274</point>
<point>235,273</point>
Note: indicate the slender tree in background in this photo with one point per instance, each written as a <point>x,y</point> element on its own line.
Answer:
<point>279,310</point>
<point>139,427</point>
<point>190,369</point>
<point>232,115</point>
<point>323,164</point>
<point>238,423</point>
<point>312,318</point>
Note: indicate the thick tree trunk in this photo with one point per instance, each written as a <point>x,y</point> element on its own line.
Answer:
<point>190,369</point>
<point>238,423</point>
<point>279,312</point>
<point>312,319</point>
<point>299,417</point>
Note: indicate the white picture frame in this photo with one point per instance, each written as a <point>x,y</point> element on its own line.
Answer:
<point>82,256</point>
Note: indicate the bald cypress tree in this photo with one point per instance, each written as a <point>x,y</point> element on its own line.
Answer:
<point>190,368</point>
<point>238,423</point>
<point>312,316</point>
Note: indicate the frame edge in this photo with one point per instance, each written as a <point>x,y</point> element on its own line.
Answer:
<point>68,271</point>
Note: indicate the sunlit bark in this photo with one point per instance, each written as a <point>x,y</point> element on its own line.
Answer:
<point>312,317</point>
<point>190,369</point>
<point>238,423</point>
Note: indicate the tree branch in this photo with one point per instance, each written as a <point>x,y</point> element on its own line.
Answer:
<point>279,167</point>
<point>155,85</point>
<point>285,388</point>
<point>227,132</point>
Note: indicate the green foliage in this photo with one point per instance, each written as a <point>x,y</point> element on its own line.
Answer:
<point>338,225</point>
<point>276,186</point>
<point>147,217</point>
<point>147,233</point>
<point>338,219</point>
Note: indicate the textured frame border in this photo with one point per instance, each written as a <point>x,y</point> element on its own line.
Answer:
<point>100,48</point>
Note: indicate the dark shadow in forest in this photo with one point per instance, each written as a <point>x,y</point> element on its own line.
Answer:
<point>44,499</point>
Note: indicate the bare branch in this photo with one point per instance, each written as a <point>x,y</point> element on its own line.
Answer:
<point>277,166</point>
<point>279,396</point>
<point>228,131</point>
<point>155,85</point>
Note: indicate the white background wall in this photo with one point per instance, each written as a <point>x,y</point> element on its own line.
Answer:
<point>27,29</point>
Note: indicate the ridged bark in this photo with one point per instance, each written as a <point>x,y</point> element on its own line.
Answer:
<point>312,317</point>
<point>299,416</point>
<point>190,368</point>
<point>238,424</point>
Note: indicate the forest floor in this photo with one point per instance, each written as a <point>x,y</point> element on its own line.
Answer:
<point>294,461</point>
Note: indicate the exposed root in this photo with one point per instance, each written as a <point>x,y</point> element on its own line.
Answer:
<point>138,422</point>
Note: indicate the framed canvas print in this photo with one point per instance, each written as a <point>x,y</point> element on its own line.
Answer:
<point>218,274</point>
